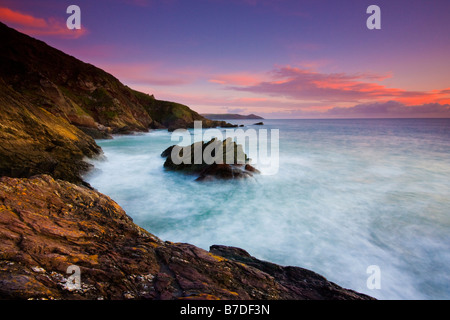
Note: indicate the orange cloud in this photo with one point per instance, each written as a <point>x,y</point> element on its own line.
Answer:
<point>34,26</point>
<point>391,109</point>
<point>434,96</point>
<point>9,16</point>
<point>305,85</point>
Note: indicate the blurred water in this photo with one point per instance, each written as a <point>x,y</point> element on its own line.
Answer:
<point>348,194</point>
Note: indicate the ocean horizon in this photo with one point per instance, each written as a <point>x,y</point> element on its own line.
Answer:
<point>348,194</point>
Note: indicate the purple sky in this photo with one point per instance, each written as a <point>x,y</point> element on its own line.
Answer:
<point>279,59</point>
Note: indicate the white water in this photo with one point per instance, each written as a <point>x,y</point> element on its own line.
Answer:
<point>348,194</point>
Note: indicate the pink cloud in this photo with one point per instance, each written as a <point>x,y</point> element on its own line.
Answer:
<point>34,26</point>
<point>9,16</point>
<point>239,79</point>
<point>434,96</point>
<point>391,109</point>
<point>306,85</point>
<point>273,107</point>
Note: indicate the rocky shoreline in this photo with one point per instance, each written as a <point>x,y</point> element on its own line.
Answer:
<point>47,225</point>
<point>52,105</point>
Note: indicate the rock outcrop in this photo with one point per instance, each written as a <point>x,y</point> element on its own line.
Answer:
<point>210,160</point>
<point>47,225</point>
<point>52,106</point>
<point>34,140</point>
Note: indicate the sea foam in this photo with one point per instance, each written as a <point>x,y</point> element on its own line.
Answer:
<point>348,194</point>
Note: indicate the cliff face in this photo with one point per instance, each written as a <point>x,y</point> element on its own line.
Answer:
<point>34,140</point>
<point>50,102</point>
<point>81,93</point>
<point>46,225</point>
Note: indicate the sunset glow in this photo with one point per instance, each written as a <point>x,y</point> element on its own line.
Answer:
<point>279,59</point>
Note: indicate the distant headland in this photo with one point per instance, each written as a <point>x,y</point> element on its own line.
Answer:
<point>229,116</point>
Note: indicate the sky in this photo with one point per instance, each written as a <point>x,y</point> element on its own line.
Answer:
<point>275,58</point>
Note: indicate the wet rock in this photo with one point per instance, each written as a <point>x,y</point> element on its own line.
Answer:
<point>47,225</point>
<point>225,172</point>
<point>227,160</point>
<point>295,281</point>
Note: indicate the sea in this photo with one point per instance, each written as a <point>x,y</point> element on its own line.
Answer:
<point>363,202</point>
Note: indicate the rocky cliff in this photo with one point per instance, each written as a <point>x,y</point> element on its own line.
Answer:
<point>52,104</point>
<point>34,140</point>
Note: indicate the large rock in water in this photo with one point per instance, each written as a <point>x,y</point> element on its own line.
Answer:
<point>227,161</point>
<point>52,105</point>
<point>47,225</point>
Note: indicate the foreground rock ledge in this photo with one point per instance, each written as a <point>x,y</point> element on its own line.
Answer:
<point>46,225</point>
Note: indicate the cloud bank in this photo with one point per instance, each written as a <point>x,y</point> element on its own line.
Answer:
<point>300,92</point>
<point>302,84</point>
<point>391,109</point>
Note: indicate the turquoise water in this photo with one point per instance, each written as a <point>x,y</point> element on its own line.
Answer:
<point>348,194</point>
